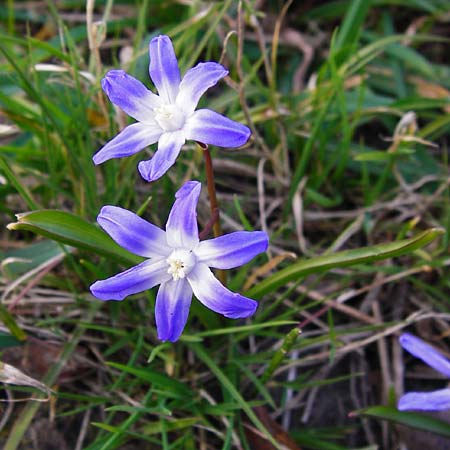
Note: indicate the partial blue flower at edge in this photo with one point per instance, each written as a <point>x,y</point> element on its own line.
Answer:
<point>169,118</point>
<point>179,262</point>
<point>425,401</point>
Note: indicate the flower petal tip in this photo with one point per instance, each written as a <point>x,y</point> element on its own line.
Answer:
<point>212,128</point>
<point>106,210</point>
<point>149,172</point>
<point>405,338</point>
<point>113,76</point>
<point>167,338</point>
<point>245,307</point>
<point>212,66</point>
<point>252,308</point>
<point>425,401</point>
<point>246,133</point>
<point>161,38</point>
<point>98,292</point>
<point>264,239</point>
<point>145,173</point>
<point>188,188</point>
<point>96,160</point>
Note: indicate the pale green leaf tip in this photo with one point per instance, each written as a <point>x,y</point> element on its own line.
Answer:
<point>434,232</point>
<point>13,225</point>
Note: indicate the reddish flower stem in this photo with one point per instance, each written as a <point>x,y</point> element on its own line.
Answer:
<point>208,227</point>
<point>215,212</point>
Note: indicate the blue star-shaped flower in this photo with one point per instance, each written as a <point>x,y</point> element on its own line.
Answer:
<point>169,118</point>
<point>179,262</point>
<point>425,401</point>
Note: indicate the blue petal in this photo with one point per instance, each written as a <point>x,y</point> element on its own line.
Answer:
<point>172,309</point>
<point>133,233</point>
<point>137,279</point>
<point>131,95</point>
<point>426,353</point>
<point>181,227</point>
<point>169,146</point>
<point>232,250</point>
<point>129,141</point>
<point>196,82</point>
<point>208,289</point>
<point>211,128</point>
<point>164,70</point>
<point>425,401</point>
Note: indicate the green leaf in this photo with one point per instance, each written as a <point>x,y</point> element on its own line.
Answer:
<point>411,58</point>
<point>23,259</point>
<point>157,427</point>
<point>277,358</point>
<point>151,428</point>
<point>343,259</point>
<point>7,340</point>
<point>18,185</point>
<point>157,409</point>
<point>410,419</point>
<point>69,229</point>
<point>252,328</point>
<point>234,392</point>
<point>383,156</point>
<point>172,387</point>
<point>9,322</point>
<point>350,29</point>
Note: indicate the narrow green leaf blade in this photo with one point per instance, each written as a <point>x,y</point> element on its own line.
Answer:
<point>171,385</point>
<point>70,229</point>
<point>234,392</point>
<point>410,419</point>
<point>8,340</point>
<point>351,25</point>
<point>14,180</point>
<point>343,259</point>
<point>277,358</point>
<point>8,320</point>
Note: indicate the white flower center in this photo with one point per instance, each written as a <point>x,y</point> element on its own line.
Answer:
<point>180,263</point>
<point>170,117</point>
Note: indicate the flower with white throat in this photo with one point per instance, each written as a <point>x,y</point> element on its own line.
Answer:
<point>178,261</point>
<point>169,118</point>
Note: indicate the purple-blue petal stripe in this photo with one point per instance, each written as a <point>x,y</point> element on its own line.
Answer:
<point>172,309</point>
<point>212,128</point>
<point>129,141</point>
<point>182,227</point>
<point>426,353</point>
<point>169,146</point>
<point>232,250</point>
<point>425,401</point>
<point>137,279</point>
<point>131,95</point>
<point>196,82</point>
<point>163,69</point>
<point>133,233</point>
<point>208,289</point>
